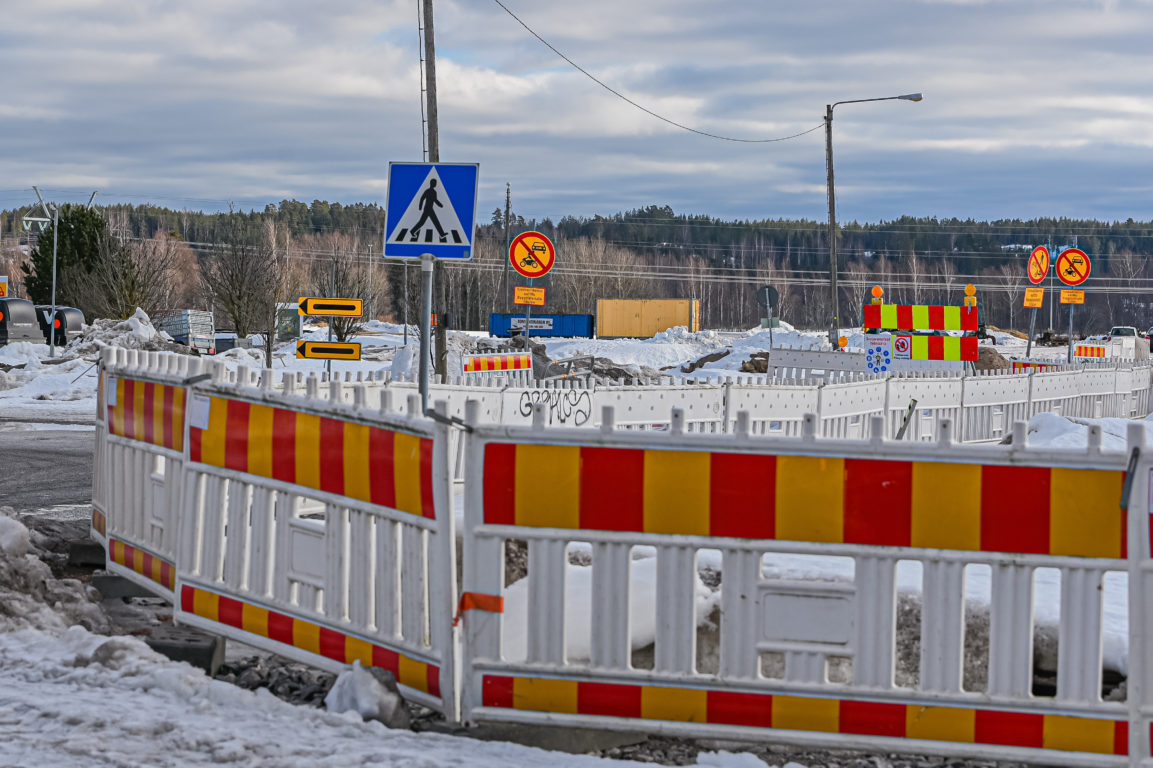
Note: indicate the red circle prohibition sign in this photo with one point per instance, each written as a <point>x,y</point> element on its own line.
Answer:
<point>1038,264</point>
<point>531,254</point>
<point>1073,266</point>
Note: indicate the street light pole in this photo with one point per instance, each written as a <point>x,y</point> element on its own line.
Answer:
<point>834,304</point>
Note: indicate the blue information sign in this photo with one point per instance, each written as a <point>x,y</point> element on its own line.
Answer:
<point>431,208</point>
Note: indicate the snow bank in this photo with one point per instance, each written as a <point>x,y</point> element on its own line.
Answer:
<point>1050,430</point>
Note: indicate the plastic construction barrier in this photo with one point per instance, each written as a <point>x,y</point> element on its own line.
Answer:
<point>920,317</point>
<point>935,347</point>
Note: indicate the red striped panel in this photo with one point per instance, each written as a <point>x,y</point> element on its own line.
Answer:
<point>432,680</point>
<point>936,318</point>
<point>1121,737</point>
<point>150,414</point>
<point>279,628</point>
<point>128,408</point>
<point>332,644</point>
<point>611,489</point>
<point>386,659</point>
<point>969,350</point>
<point>969,319</point>
<point>878,502</point>
<point>500,484</point>
<point>236,436</point>
<point>873,718</point>
<point>497,692</point>
<point>194,438</point>
<point>609,700</point>
<point>1015,509</point>
<point>872,316</point>
<point>231,612</point>
<point>741,498</point>
<point>904,316</point>
<point>427,505</point>
<point>186,597</point>
<point>283,445</point>
<point>936,347</point>
<point>169,393</point>
<point>1013,729</point>
<point>166,575</point>
<point>383,480</point>
<point>332,458</point>
<point>730,708</point>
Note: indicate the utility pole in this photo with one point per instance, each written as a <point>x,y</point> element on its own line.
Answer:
<point>434,157</point>
<point>833,323</point>
<point>507,244</point>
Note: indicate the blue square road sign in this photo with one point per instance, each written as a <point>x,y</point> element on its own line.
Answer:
<point>431,208</point>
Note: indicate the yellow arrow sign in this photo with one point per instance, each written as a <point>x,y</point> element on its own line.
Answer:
<point>317,306</point>
<point>327,350</point>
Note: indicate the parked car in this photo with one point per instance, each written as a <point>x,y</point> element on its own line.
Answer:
<point>18,322</point>
<point>69,322</point>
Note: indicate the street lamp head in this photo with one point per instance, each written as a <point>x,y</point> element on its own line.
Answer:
<point>911,97</point>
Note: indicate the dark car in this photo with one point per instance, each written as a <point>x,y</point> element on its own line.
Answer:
<point>69,321</point>
<point>18,322</point>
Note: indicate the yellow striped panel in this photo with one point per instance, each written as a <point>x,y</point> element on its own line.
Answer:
<point>952,319</point>
<point>920,347</point>
<point>356,473</point>
<point>117,425</point>
<point>308,450</point>
<point>951,349</point>
<point>413,673</point>
<point>540,695</point>
<point>116,552</point>
<point>355,648</point>
<point>920,317</point>
<point>810,498</point>
<point>676,492</point>
<point>178,419</point>
<point>100,395</point>
<point>406,472</point>
<point>260,440</point>
<point>156,566</point>
<point>888,315</point>
<point>800,713</point>
<point>206,604</point>
<point>547,493</point>
<point>254,619</point>
<point>157,415</point>
<point>1084,512</point>
<point>940,723</point>
<point>946,506</point>
<point>679,704</point>
<point>138,561</point>
<point>212,441</point>
<point>306,636</point>
<point>138,411</point>
<point>1077,734</point>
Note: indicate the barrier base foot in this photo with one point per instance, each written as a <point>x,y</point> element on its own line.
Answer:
<point>200,649</point>
<point>555,738</point>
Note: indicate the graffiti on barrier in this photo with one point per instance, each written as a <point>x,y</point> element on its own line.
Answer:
<point>564,405</point>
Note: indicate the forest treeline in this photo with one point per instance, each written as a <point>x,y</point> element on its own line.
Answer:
<point>651,252</point>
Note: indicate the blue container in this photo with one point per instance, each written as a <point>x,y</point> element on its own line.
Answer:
<point>500,324</point>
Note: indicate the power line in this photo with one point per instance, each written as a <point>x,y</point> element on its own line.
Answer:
<point>646,110</point>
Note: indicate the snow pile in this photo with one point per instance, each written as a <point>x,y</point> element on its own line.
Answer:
<point>1050,430</point>
<point>358,690</point>
<point>137,332</point>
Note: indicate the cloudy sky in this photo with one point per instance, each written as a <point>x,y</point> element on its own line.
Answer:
<point>1032,107</point>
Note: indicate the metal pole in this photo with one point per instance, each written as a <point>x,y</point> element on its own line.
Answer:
<point>332,293</point>
<point>52,317</point>
<point>426,262</point>
<point>832,226</point>
<point>1032,328</point>
<point>507,245</point>
<point>527,318</point>
<point>1070,333</point>
<point>1052,298</point>
<point>406,303</point>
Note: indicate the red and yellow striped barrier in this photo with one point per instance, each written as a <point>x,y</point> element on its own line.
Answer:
<point>99,522</point>
<point>309,637</point>
<point>802,713</point>
<point>1089,350</point>
<point>151,413</point>
<point>378,466</point>
<point>482,363</point>
<point>940,347</point>
<point>1026,366</point>
<point>972,507</point>
<point>154,568</point>
<point>919,317</point>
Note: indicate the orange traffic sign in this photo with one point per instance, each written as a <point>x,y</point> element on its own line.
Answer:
<point>1034,297</point>
<point>327,350</point>
<point>1073,266</point>
<point>1038,264</point>
<point>528,295</point>
<point>1072,297</point>
<point>532,254</point>
<point>317,305</point>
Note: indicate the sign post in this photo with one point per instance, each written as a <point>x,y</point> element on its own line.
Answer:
<point>430,214</point>
<point>532,255</point>
<point>769,297</point>
<point>1073,268</point>
<point>1037,270</point>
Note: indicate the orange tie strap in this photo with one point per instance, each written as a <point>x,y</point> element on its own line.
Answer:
<point>475,601</point>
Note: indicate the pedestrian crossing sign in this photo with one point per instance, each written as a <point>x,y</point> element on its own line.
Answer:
<point>431,208</point>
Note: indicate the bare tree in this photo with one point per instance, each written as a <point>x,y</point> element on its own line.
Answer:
<point>124,277</point>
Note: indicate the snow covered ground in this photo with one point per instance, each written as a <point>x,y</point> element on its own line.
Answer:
<point>72,697</point>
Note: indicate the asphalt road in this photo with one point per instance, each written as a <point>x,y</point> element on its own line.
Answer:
<point>45,468</point>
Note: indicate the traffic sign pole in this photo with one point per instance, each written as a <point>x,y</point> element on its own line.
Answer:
<point>1032,330</point>
<point>426,263</point>
<point>528,318</point>
<point>1070,333</point>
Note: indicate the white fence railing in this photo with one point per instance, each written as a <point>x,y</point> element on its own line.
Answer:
<point>746,583</point>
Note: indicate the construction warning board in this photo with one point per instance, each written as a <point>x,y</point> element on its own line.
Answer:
<point>327,350</point>
<point>528,295</point>
<point>487,363</point>
<point>1073,266</point>
<point>431,208</point>
<point>1069,296</point>
<point>1034,298</point>
<point>317,306</point>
